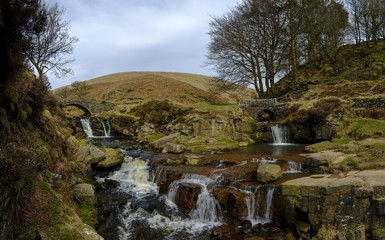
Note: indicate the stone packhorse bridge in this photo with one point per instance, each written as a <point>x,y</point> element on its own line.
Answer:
<point>262,109</point>
<point>89,106</point>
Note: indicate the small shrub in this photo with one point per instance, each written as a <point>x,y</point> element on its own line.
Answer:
<point>159,112</point>
<point>349,163</point>
<point>374,113</point>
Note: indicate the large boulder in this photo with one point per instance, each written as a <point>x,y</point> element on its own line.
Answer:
<point>173,148</point>
<point>89,153</point>
<point>161,143</point>
<point>84,193</point>
<point>187,195</point>
<point>113,158</point>
<point>324,162</point>
<point>268,172</point>
<point>233,202</point>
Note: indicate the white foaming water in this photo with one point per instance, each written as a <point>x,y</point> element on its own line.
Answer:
<point>253,202</point>
<point>205,213</point>
<point>294,167</point>
<point>133,176</point>
<point>279,135</point>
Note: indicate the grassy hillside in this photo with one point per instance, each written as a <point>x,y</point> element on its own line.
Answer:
<point>179,87</point>
<point>361,73</point>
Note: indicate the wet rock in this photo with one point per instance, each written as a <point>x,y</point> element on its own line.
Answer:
<point>174,148</point>
<point>268,172</point>
<point>113,158</point>
<point>193,159</point>
<point>84,193</point>
<point>233,202</point>
<point>187,195</point>
<point>161,143</point>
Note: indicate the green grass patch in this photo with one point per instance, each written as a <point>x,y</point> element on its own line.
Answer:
<point>365,128</point>
<point>154,137</point>
<point>349,163</point>
<point>327,145</point>
<point>88,214</point>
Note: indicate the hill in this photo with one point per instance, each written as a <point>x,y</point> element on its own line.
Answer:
<point>180,87</point>
<point>361,74</point>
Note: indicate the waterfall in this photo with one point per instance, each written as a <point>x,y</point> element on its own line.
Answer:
<point>107,131</point>
<point>206,205</point>
<point>253,203</point>
<point>294,167</point>
<point>279,134</point>
<point>86,125</point>
<point>134,175</point>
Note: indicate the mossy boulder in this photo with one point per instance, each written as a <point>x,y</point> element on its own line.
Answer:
<point>113,158</point>
<point>268,172</point>
<point>84,193</point>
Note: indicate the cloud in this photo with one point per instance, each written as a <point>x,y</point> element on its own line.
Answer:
<point>139,35</point>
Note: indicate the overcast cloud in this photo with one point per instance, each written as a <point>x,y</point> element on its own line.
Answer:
<point>139,35</point>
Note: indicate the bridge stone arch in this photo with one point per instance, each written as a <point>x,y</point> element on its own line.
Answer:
<point>258,108</point>
<point>80,103</point>
<point>89,106</point>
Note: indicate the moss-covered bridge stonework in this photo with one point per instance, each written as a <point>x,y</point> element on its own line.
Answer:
<point>258,108</point>
<point>89,106</point>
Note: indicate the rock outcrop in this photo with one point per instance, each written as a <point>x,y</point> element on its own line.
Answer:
<point>84,193</point>
<point>161,143</point>
<point>327,161</point>
<point>338,201</point>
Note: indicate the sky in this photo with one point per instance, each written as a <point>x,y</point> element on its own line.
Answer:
<point>138,35</point>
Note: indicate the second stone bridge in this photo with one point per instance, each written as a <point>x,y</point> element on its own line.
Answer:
<point>262,109</point>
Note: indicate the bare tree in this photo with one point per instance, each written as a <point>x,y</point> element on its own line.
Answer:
<point>51,43</point>
<point>64,92</point>
<point>367,19</point>
<point>247,44</point>
<point>80,88</point>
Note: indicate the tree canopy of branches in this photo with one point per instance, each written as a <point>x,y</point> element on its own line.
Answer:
<point>257,41</point>
<point>51,43</point>
<point>367,18</point>
<point>79,88</point>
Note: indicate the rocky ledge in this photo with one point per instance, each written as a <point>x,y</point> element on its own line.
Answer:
<point>335,201</point>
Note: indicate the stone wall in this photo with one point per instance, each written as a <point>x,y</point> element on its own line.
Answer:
<point>369,103</point>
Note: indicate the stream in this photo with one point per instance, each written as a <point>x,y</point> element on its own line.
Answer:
<point>146,199</point>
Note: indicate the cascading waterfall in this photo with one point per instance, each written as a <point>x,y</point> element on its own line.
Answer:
<point>279,134</point>
<point>294,167</point>
<point>86,125</point>
<point>206,205</point>
<point>134,180</point>
<point>253,203</point>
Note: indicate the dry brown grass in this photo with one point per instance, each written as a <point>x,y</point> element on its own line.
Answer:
<point>182,87</point>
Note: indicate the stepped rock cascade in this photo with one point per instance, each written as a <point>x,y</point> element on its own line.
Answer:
<point>158,212</point>
<point>259,205</point>
<point>279,135</point>
<point>86,125</point>
<point>206,205</point>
